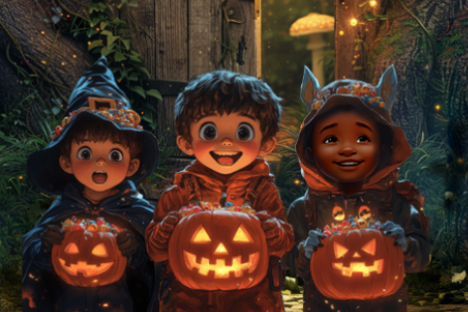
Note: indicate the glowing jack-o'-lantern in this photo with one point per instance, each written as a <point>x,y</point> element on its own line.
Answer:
<point>358,264</point>
<point>88,259</point>
<point>338,213</point>
<point>219,250</point>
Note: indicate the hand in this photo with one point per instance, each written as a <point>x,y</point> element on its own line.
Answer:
<point>273,230</point>
<point>165,229</point>
<point>127,242</point>
<point>392,229</point>
<point>53,235</point>
<point>312,242</point>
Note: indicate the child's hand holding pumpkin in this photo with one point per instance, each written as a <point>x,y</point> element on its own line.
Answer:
<point>312,242</point>
<point>392,229</point>
<point>165,228</point>
<point>273,230</point>
<point>127,243</point>
<point>53,235</point>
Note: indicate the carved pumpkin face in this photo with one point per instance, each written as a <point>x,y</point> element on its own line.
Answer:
<point>219,250</point>
<point>88,259</point>
<point>359,264</point>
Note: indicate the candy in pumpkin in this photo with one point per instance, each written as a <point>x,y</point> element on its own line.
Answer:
<point>358,264</point>
<point>88,258</point>
<point>219,250</point>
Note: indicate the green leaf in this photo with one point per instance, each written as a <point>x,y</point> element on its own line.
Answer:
<point>105,51</point>
<point>383,17</point>
<point>91,32</point>
<point>133,3</point>
<point>370,16</point>
<point>139,90</point>
<point>135,58</point>
<point>55,110</point>
<point>95,44</point>
<point>133,77</point>
<point>144,70</point>
<point>103,25</point>
<point>154,93</point>
<point>126,42</point>
<point>357,68</point>
<point>119,56</point>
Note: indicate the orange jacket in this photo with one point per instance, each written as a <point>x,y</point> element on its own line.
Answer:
<point>212,190</point>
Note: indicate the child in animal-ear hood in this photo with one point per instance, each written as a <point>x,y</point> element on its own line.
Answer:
<point>350,150</point>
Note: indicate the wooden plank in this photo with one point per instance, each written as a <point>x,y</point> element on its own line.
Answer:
<point>239,21</point>
<point>204,36</point>
<point>258,36</point>
<point>171,57</point>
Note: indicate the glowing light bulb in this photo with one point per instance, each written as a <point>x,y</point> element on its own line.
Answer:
<point>373,3</point>
<point>341,33</point>
<point>353,22</point>
<point>437,107</point>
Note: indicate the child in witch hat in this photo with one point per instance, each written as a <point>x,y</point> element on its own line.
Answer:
<point>350,150</point>
<point>93,163</point>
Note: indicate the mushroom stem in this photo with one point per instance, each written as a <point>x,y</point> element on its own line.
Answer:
<point>316,44</point>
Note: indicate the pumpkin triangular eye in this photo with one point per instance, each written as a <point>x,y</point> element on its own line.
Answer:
<point>201,236</point>
<point>340,250</point>
<point>72,249</point>
<point>370,247</point>
<point>242,236</point>
<point>100,250</point>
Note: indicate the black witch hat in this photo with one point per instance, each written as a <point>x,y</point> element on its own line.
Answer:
<point>96,97</point>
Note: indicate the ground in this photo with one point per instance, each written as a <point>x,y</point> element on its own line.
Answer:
<point>293,303</point>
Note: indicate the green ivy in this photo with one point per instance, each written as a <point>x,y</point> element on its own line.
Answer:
<point>108,35</point>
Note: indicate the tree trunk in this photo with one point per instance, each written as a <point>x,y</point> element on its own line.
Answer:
<point>454,71</point>
<point>405,43</point>
<point>48,53</point>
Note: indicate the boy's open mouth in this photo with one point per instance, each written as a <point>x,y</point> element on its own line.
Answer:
<point>226,158</point>
<point>99,177</point>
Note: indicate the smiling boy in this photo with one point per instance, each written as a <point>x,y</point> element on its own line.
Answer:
<point>228,122</point>
<point>350,150</point>
<point>92,164</point>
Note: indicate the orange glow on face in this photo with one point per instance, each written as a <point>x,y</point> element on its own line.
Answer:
<point>370,247</point>
<point>340,250</point>
<point>221,270</point>
<point>226,153</point>
<point>242,236</point>
<point>84,170</point>
<point>201,236</point>
<point>100,250</point>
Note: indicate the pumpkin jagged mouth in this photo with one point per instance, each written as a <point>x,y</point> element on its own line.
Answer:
<point>87,270</point>
<point>360,267</point>
<point>221,270</point>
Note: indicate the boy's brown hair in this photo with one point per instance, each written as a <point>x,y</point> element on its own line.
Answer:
<point>98,131</point>
<point>226,92</point>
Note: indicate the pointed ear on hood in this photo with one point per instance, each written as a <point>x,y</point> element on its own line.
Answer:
<point>387,87</point>
<point>309,86</point>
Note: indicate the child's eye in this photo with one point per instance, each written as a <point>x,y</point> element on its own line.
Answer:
<point>208,132</point>
<point>245,132</point>
<point>84,153</point>
<point>330,140</point>
<point>115,155</point>
<point>363,138</point>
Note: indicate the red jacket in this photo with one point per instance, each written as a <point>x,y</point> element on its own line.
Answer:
<point>212,189</point>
